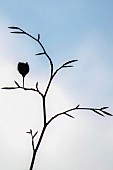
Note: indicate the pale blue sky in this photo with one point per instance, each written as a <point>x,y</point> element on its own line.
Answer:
<point>69,29</point>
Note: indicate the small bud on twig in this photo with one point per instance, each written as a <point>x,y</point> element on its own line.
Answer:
<point>23,69</point>
<point>38,37</point>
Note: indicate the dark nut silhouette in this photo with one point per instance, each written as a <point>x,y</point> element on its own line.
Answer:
<point>23,68</point>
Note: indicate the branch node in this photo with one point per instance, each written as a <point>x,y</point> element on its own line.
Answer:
<point>35,134</point>
<point>69,115</point>
<point>77,106</point>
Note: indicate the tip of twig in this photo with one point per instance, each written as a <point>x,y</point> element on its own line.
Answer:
<point>106,113</point>
<point>38,37</point>
<point>69,115</point>
<point>77,106</point>
<point>9,88</point>
<point>39,53</point>
<point>103,108</point>
<point>16,83</point>
<point>13,27</point>
<point>17,32</point>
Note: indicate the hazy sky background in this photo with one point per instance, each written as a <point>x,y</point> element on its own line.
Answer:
<point>70,29</point>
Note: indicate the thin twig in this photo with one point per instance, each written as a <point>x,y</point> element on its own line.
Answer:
<point>100,111</point>
<point>56,71</point>
<point>32,138</point>
<point>24,88</point>
<point>59,114</point>
<point>21,31</point>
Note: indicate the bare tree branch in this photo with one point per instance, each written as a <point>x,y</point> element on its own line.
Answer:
<point>64,66</point>
<point>32,137</point>
<point>55,72</point>
<point>101,111</point>
<point>59,114</point>
<point>21,31</point>
<point>24,88</point>
<point>96,110</point>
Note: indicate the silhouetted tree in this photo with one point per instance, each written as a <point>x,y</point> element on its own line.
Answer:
<point>23,69</point>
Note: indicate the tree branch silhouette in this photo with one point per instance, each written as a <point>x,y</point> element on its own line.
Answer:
<point>22,70</point>
<point>32,137</point>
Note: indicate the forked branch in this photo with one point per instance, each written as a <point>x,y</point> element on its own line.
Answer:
<point>23,71</point>
<point>24,88</point>
<point>52,75</point>
<point>32,137</point>
<point>21,31</point>
<point>100,111</point>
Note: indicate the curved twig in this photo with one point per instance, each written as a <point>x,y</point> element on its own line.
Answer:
<point>21,31</point>
<point>100,111</point>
